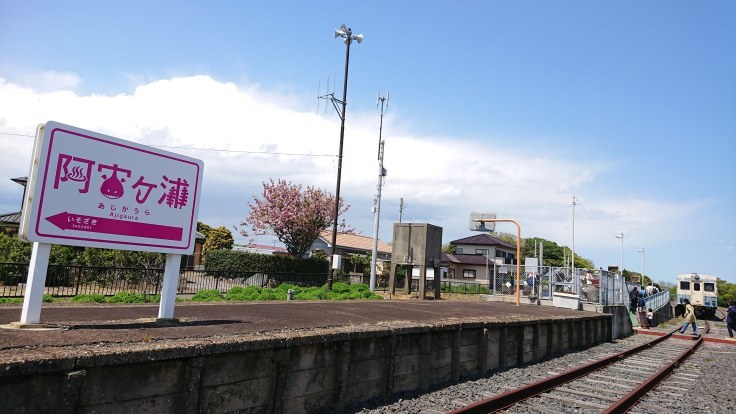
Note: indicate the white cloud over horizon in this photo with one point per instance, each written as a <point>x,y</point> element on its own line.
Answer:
<point>244,135</point>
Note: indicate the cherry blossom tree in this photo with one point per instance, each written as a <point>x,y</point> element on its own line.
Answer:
<point>296,216</point>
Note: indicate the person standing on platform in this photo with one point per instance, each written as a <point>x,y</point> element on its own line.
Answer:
<point>650,318</point>
<point>689,318</point>
<point>731,318</point>
<point>633,300</point>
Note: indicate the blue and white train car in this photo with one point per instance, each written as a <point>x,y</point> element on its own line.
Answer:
<point>701,291</point>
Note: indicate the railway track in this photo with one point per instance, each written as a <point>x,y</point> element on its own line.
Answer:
<point>612,384</point>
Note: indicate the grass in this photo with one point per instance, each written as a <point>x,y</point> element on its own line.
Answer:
<point>340,291</point>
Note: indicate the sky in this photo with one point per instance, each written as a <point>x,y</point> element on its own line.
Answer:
<point>508,107</point>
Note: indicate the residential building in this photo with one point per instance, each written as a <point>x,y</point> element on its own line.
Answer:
<point>10,222</point>
<point>476,257</point>
<point>352,244</point>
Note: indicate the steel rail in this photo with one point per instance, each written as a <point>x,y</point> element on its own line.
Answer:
<point>632,398</point>
<point>502,401</point>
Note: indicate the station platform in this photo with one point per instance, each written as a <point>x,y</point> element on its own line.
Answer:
<point>278,357</point>
<point>105,324</point>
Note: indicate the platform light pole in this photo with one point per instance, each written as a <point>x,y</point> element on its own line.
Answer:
<point>518,252</point>
<point>642,264</point>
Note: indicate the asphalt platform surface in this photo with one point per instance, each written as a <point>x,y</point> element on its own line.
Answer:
<point>78,326</point>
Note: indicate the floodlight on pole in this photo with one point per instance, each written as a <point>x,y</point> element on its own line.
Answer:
<point>621,236</point>
<point>642,264</point>
<point>347,34</point>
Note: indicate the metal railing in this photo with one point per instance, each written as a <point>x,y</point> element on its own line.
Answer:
<point>657,300</point>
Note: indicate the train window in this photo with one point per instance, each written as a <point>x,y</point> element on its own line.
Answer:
<point>685,285</point>
<point>709,287</point>
<point>696,287</point>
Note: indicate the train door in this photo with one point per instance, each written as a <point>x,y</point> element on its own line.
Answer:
<point>696,294</point>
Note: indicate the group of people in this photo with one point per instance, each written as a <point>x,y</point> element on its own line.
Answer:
<point>646,316</point>
<point>638,306</point>
<point>690,318</point>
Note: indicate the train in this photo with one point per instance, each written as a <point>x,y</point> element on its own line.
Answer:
<point>701,291</point>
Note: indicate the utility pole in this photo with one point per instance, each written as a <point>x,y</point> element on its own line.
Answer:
<point>574,202</point>
<point>347,34</point>
<point>383,103</point>
<point>401,209</point>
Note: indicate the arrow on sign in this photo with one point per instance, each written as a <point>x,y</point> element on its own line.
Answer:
<point>80,222</point>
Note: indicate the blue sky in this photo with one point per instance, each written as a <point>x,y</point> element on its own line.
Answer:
<point>499,106</point>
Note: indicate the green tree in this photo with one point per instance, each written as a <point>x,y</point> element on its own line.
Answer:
<point>203,228</point>
<point>361,262</point>
<point>218,238</point>
<point>449,248</point>
<point>726,292</point>
<point>554,254</point>
<point>13,250</point>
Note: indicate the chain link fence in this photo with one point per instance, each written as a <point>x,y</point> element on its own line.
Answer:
<point>592,286</point>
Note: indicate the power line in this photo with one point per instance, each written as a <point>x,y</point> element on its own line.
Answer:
<point>246,152</point>
<point>213,149</point>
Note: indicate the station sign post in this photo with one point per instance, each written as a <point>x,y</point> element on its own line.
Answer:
<point>92,190</point>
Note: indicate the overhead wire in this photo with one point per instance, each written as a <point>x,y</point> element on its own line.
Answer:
<point>214,149</point>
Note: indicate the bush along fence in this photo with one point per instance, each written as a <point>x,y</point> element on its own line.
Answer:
<point>67,281</point>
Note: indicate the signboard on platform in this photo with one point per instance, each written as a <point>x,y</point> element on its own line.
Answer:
<point>89,189</point>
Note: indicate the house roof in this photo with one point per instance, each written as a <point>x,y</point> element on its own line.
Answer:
<point>10,218</point>
<point>469,259</point>
<point>355,242</point>
<point>484,240</point>
<point>20,180</point>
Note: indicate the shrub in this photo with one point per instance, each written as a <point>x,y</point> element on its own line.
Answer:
<point>11,300</point>
<point>243,293</point>
<point>128,297</point>
<point>48,298</point>
<point>359,287</point>
<point>212,295</point>
<point>92,298</point>
<point>284,287</point>
<point>267,294</point>
<point>340,288</point>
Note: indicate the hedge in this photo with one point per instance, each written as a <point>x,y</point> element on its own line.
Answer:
<point>234,261</point>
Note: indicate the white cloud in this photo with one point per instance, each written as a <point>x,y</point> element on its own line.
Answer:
<point>49,81</point>
<point>443,177</point>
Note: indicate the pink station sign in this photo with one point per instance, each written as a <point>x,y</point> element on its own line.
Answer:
<point>89,189</point>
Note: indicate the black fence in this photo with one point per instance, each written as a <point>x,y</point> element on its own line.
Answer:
<point>64,281</point>
<point>67,281</point>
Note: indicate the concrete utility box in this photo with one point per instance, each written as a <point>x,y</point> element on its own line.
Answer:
<point>420,245</point>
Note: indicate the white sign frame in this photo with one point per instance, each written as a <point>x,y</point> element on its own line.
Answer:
<point>92,190</point>
<point>54,187</point>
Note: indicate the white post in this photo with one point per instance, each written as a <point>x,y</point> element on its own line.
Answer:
<point>33,297</point>
<point>168,291</point>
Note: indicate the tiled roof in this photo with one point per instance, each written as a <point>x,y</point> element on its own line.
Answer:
<point>10,218</point>
<point>20,180</point>
<point>470,259</point>
<point>355,241</point>
<point>485,240</point>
